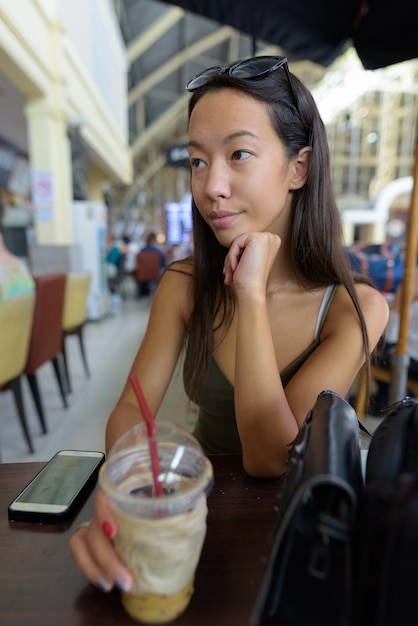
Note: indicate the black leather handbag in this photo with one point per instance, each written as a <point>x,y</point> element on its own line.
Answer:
<point>388,552</point>
<point>308,579</point>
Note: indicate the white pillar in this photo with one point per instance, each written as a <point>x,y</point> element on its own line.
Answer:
<point>50,159</point>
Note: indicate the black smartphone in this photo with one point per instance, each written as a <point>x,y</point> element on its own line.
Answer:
<point>55,494</point>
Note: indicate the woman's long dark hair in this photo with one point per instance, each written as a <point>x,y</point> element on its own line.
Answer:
<point>315,225</point>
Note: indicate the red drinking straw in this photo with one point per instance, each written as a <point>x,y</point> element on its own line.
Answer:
<point>152,434</point>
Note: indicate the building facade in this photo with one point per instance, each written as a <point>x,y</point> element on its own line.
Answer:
<point>63,110</point>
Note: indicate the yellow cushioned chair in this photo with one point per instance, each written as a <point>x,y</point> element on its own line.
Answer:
<point>16,317</point>
<point>74,316</point>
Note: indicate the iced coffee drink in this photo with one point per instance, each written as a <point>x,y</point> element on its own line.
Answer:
<point>159,538</point>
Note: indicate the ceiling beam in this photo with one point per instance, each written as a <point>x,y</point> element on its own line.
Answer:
<point>162,126</point>
<point>147,38</point>
<point>179,59</point>
<point>153,168</point>
<point>140,180</point>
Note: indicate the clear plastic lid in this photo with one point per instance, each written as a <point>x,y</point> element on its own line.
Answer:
<point>185,473</point>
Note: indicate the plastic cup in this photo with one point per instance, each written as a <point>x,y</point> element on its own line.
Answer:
<point>159,538</point>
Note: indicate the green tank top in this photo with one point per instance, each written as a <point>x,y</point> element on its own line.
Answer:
<point>216,427</point>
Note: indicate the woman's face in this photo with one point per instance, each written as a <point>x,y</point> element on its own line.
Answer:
<point>241,176</point>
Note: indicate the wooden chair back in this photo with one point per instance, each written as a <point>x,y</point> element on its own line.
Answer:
<point>16,319</point>
<point>75,300</point>
<point>74,317</point>
<point>46,336</point>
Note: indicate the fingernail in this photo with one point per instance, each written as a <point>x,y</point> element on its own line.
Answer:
<point>223,270</point>
<point>108,530</point>
<point>123,585</point>
<point>104,584</point>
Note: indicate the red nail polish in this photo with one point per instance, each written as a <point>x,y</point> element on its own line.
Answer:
<point>107,529</point>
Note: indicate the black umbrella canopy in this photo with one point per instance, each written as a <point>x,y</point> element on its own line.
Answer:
<point>382,31</point>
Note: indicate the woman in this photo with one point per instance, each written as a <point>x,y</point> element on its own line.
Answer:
<point>267,308</point>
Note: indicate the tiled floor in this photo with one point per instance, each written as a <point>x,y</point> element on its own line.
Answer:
<point>110,345</point>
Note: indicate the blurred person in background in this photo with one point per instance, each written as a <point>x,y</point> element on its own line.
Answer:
<point>145,288</point>
<point>15,278</point>
<point>380,399</point>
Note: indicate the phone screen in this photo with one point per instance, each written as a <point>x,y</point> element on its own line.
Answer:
<point>60,480</point>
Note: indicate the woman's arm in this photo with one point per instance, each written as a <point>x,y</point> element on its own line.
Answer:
<point>268,416</point>
<point>157,356</point>
<point>154,365</point>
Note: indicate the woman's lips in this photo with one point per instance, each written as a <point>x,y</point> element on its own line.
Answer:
<point>222,219</point>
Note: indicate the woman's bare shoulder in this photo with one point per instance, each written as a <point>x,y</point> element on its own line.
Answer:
<point>183,266</point>
<point>372,302</point>
<point>175,289</point>
<point>373,305</point>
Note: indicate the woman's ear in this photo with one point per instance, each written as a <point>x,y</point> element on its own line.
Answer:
<point>300,166</point>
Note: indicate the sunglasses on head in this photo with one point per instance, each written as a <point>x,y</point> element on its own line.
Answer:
<point>250,69</point>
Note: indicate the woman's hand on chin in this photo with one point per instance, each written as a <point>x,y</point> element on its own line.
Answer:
<point>250,259</point>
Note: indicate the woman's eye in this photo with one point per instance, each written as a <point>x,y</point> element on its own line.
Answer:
<point>240,155</point>
<point>195,163</point>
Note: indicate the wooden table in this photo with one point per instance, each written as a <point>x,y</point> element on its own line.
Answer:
<point>41,586</point>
